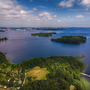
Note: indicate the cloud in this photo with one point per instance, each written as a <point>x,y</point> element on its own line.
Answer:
<point>85,2</point>
<point>31,0</point>
<point>55,15</point>
<point>68,3</point>
<point>59,20</point>
<point>34,9</point>
<point>80,16</point>
<point>46,16</point>
<point>6,4</point>
<point>11,12</point>
<point>25,12</point>
<point>42,6</point>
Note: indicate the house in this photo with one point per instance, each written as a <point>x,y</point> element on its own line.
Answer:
<point>5,86</point>
<point>19,81</point>
<point>9,79</point>
<point>14,81</point>
<point>18,87</point>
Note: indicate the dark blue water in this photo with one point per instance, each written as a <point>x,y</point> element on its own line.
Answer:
<point>21,45</point>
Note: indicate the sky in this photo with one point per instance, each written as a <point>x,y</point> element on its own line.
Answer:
<point>44,13</point>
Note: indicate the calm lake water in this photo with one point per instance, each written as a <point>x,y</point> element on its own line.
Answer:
<point>21,45</point>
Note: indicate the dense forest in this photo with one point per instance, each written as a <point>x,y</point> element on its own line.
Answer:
<point>43,34</point>
<point>61,73</point>
<point>64,71</point>
<point>70,39</point>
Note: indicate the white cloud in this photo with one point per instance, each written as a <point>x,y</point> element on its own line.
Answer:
<point>85,2</point>
<point>80,16</point>
<point>46,15</point>
<point>34,9</point>
<point>42,6</point>
<point>55,15</point>
<point>59,20</point>
<point>6,4</point>
<point>65,3</point>
<point>23,12</point>
<point>11,12</point>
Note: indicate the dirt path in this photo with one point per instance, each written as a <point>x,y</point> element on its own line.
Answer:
<point>24,79</point>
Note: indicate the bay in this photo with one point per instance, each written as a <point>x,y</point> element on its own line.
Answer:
<point>21,45</point>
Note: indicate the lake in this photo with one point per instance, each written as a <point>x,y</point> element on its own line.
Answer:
<point>21,45</point>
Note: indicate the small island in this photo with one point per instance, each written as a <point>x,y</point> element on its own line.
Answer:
<point>3,39</point>
<point>70,39</point>
<point>43,34</point>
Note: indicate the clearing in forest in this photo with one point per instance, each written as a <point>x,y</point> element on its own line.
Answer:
<point>37,73</point>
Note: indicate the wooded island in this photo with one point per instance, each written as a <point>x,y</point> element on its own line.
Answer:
<point>43,34</point>
<point>2,39</point>
<point>70,39</point>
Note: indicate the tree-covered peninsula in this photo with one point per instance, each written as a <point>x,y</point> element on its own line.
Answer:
<point>70,39</point>
<point>51,73</point>
<point>3,39</point>
<point>43,34</point>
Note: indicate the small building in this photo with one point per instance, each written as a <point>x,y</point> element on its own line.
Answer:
<point>5,87</point>
<point>19,81</point>
<point>14,81</point>
<point>18,87</point>
<point>9,79</point>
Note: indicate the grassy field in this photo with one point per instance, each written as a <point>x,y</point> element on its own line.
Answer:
<point>72,87</point>
<point>37,73</point>
<point>86,83</point>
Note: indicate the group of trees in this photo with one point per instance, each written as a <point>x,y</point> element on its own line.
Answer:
<point>2,39</point>
<point>64,71</point>
<point>3,58</point>
<point>43,34</point>
<point>70,39</point>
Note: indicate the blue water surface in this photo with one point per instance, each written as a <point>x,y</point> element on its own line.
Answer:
<point>21,45</point>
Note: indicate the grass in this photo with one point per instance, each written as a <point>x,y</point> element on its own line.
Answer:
<point>72,87</point>
<point>8,69</point>
<point>76,37</point>
<point>37,73</point>
<point>86,83</point>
